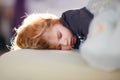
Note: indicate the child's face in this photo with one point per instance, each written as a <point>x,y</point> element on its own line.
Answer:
<point>61,37</point>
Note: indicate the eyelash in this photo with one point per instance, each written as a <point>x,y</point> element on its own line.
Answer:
<point>59,35</point>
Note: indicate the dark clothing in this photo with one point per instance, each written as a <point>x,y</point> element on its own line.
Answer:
<point>78,22</point>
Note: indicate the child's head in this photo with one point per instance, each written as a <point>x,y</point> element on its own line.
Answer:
<point>43,31</point>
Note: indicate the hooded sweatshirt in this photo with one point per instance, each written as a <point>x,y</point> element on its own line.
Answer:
<point>77,21</point>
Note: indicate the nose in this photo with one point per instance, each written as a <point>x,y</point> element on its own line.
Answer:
<point>63,42</point>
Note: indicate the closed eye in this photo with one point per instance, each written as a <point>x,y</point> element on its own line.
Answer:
<point>59,35</point>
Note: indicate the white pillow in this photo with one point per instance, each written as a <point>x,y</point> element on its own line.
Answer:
<point>102,46</point>
<point>99,6</point>
<point>29,64</point>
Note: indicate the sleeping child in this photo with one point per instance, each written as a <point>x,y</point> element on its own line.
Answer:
<point>46,31</point>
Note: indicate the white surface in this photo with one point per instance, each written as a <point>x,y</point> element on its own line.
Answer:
<point>53,6</point>
<point>99,6</point>
<point>49,65</point>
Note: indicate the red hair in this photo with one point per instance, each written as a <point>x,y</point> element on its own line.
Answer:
<point>30,33</point>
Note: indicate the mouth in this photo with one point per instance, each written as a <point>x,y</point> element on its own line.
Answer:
<point>72,41</point>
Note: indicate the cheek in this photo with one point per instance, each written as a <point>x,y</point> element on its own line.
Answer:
<point>52,40</point>
<point>66,48</point>
<point>67,33</point>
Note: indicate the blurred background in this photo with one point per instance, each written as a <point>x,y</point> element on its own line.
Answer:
<point>12,13</point>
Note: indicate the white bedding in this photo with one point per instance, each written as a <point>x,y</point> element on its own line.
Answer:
<point>29,64</point>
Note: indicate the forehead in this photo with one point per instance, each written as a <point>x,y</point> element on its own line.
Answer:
<point>51,35</point>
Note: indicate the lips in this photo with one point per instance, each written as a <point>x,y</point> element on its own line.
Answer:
<point>72,41</point>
